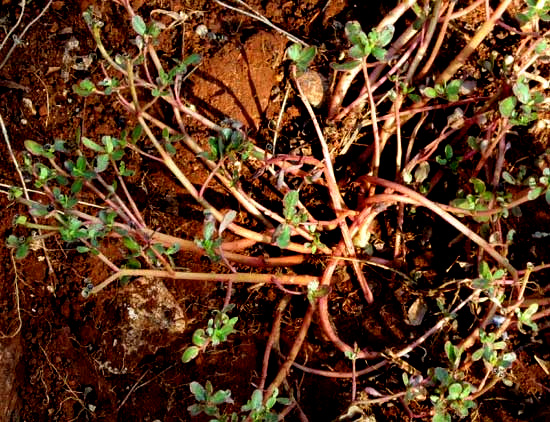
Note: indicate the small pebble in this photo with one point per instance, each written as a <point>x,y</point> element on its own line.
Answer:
<point>201,31</point>
<point>314,86</point>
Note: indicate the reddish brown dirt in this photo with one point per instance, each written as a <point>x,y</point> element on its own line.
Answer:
<point>70,360</point>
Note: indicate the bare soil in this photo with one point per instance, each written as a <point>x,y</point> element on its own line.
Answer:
<point>117,356</point>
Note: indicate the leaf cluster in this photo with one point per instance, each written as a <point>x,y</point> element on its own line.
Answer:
<point>364,45</point>
<point>301,56</point>
<point>293,217</point>
<point>218,329</point>
<point>521,108</point>
<point>450,91</point>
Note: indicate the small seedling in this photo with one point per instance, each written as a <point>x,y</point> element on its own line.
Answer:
<point>208,401</point>
<point>449,159</point>
<point>260,411</point>
<point>449,91</point>
<point>451,394</point>
<point>293,217</point>
<point>302,57</point>
<point>364,45</point>
<point>217,331</point>
<point>20,244</point>
<point>521,108</point>
<point>525,317</point>
<point>210,242</point>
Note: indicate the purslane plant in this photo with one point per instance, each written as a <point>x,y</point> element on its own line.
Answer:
<point>139,78</point>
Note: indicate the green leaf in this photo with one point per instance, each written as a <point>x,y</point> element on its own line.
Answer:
<point>508,178</point>
<point>507,106</point>
<point>84,88</point>
<point>429,92</point>
<point>454,391</point>
<point>294,51</point>
<point>188,355</point>
<point>82,249</point>
<point>534,193</point>
<point>541,46</point>
<point>256,400</point>
<point>448,151</point>
<point>442,375</point>
<point>453,353</point>
<point>379,53</point>
<point>139,25</point>
<point>289,202</point>
<point>194,409</point>
<point>271,401</point>
<point>136,133</point>
<point>441,417</point>
<point>220,397</point>
<point>199,338</point>
<point>20,219</point>
<point>508,359</point>
<point>453,88</point>
<point>521,91</point>
<point>386,35</point>
<point>22,251</point>
<point>131,244</point>
<point>34,147</point>
<point>198,391</point>
<point>109,143</point>
<point>282,235</point>
<point>358,52</point>
<point>478,354</point>
<point>352,29</point>
<point>306,57</point>
<point>91,144</point>
<point>485,271</point>
<point>479,185</point>
<point>102,162</point>
<point>76,187</point>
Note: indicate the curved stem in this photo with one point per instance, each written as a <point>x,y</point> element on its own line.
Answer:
<point>482,243</point>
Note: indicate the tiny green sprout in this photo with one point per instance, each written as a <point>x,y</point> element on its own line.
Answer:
<point>179,69</point>
<point>209,242</point>
<point>521,108</point>
<point>217,331</point>
<point>525,318</point>
<point>364,45</point>
<point>85,88</point>
<point>479,200</point>
<point>316,291</point>
<point>139,25</point>
<point>293,217</point>
<point>316,243</point>
<point>15,192</point>
<point>490,348</point>
<point>449,159</point>
<point>260,412</point>
<point>449,90</point>
<point>20,244</point>
<point>454,354</point>
<point>302,57</point>
<point>110,84</point>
